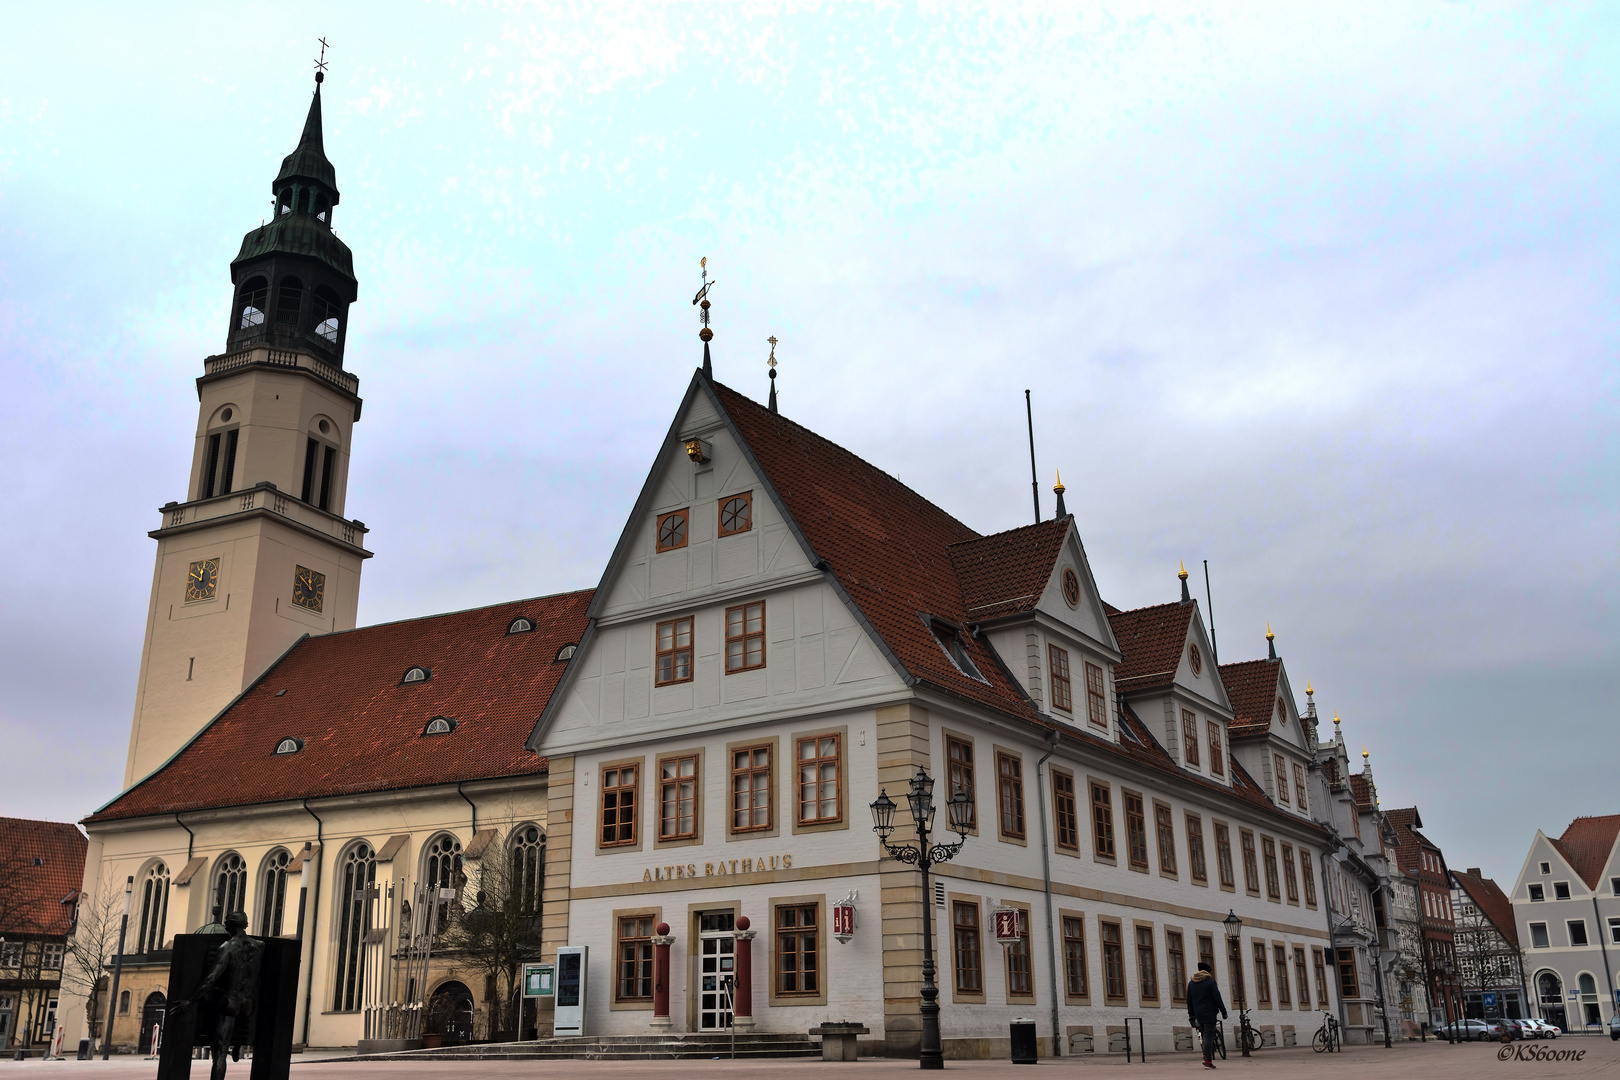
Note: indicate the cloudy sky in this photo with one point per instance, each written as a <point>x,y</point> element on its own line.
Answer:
<point>1324,297</point>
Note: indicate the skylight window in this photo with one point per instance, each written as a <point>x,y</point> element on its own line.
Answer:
<point>440,725</point>
<point>520,625</point>
<point>567,652</point>
<point>951,641</point>
<point>290,745</point>
<point>416,674</point>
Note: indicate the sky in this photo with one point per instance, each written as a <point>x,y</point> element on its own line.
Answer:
<point>1324,295</point>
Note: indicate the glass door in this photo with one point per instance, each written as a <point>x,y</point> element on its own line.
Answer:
<point>717,955</point>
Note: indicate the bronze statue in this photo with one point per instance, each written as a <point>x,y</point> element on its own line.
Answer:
<point>232,988</point>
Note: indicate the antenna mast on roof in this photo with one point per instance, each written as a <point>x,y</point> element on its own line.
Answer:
<point>1034,485</point>
<point>1213,648</point>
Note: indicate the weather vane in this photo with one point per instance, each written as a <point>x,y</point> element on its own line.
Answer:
<point>771,363</point>
<point>320,61</point>
<point>702,299</point>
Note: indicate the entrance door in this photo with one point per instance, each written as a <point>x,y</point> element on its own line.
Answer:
<point>1550,988</point>
<point>8,1012</point>
<point>717,955</point>
<point>151,1017</point>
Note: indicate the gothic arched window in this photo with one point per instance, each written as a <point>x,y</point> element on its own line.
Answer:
<point>528,868</point>
<point>230,885</point>
<point>358,871</point>
<point>442,870</point>
<point>288,299</point>
<point>154,909</point>
<point>253,296</point>
<point>275,893</point>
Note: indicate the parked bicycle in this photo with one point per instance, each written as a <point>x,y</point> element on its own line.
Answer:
<point>1248,1034</point>
<point>1327,1036</point>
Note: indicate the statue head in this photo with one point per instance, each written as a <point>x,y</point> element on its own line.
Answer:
<point>236,922</point>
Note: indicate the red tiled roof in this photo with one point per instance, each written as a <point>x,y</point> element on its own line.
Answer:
<point>1251,687</point>
<point>362,729</point>
<point>1586,845</point>
<point>1361,791</point>
<point>35,892</point>
<point>1006,573</point>
<point>1151,638</point>
<point>1409,843</point>
<point>1492,902</point>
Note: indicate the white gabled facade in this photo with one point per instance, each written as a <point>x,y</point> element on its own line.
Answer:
<point>1569,928</point>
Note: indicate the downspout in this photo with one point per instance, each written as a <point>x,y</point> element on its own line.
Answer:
<point>469,802</point>
<point>191,837</point>
<point>1046,877</point>
<point>314,917</point>
<point>1597,917</point>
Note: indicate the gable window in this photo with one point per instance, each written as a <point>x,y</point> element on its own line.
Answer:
<point>1096,701</point>
<point>1223,856</point>
<point>751,788</point>
<point>1262,977</point>
<point>798,950</point>
<point>1217,761</point>
<point>1166,830</point>
<point>1102,821</point>
<point>1196,865</point>
<point>677,797</point>
<point>960,753</point>
<point>672,530</point>
<point>1281,767</point>
<point>1196,660</point>
<point>1071,587</point>
<point>1062,689</point>
<point>635,959</point>
<point>1136,831</point>
<point>1299,788</point>
<point>737,514</point>
<point>1064,811</point>
<point>965,947</point>
<point>745,637</point>
<point>1282,716</point>
<point>1175,955</point>
<point>1010,795</point>
<point>1560,890</point>
<point>1289,877</point>
<point>1251,867</point>
<point>1546,868</point>
<point>1308,872</point>
<point>1074,957</point>
<point>415,674</point>
<point>1268,847</point>
<point>1577,932</point>
<point>1537,893</point>
<point>820,765</point>
<point>440,725</point>
<point>1189,738</point>
<point>1113,950</point>
<point>951,642</point>
<point>619,805</point>
<point>674,655</point>
<point>1538,935</point>
<point>1147,965</point>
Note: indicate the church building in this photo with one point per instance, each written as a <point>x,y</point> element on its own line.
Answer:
<point>672,771</point>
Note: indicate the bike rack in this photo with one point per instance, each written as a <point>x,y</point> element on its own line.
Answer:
<point>1140,1035</point>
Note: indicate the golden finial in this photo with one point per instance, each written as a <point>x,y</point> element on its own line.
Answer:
<point>1308,690</point>
<point>771,361</point>
<point>1058,487</point>
<point>1335,719</point>
<point>1183,572</point>
<point>1363,751</point>
<point>1269,635</point>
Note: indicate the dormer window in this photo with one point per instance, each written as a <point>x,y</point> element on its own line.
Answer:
<point>951,642</point>
<point>440,725</point>
<point>416,674</point>
<point>520,625</point>
<point>566,653</point>
<point>290,745</point>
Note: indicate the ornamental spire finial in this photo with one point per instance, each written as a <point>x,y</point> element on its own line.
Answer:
<point>1058,489</point>
<point>771,363</point>
<point>702,300</point>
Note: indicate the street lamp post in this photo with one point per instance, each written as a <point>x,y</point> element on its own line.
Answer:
<point>118,970</point>
<point>959,809</point>
<point>1234,947</point>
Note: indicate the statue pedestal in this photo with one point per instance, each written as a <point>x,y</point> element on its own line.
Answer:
<point>268,1030</point>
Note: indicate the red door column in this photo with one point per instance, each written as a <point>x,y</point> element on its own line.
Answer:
<point>743,1006</point>
<point>662,940</point>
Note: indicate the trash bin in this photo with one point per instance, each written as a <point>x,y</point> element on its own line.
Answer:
<point>85,1053</point>
<point>1023,1042</point>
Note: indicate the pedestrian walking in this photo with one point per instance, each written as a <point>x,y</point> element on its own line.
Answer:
<point>1205,1008</point>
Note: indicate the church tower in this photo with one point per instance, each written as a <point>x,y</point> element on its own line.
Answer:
<point>260,552</point>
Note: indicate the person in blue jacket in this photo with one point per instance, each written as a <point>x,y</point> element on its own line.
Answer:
<point>1205,1008</point>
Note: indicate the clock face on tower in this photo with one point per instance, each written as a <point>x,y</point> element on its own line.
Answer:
<point>309,588</point>
<point>202,580</point>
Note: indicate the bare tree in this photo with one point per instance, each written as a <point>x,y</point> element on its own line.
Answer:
<point>90,950</point>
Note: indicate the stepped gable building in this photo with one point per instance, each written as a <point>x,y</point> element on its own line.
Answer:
<point>41,864</point>
<point>1566,909</point>
<point>1489,958</point>
<point>1423,861</point>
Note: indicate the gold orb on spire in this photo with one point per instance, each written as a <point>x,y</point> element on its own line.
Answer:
<point>1335,719</point>
<point>1058,487</point>
<point>1182,573</point>
<point>1308,688</point>
<point>1269,635</point>
<point>1363,751</point>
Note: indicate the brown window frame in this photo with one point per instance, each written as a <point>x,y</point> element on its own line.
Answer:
<point>1307,871</point>
<point>1251,862</point>
<point>1164,828</point>
<point>624,824</point>
<point>1175,965</point>
<point>720,514</point>
<point>1206,951</point>
<point>961,776</point>
<point>1279,961</point>
<point>1065,812</point>
<point>1057,662</point>
<point>1102,822</point>
<point>1113,959</point>
<point>1302,976</point>
<point>1096,696</point>
<point>1189,739</point>
<point>1010,796</point>
<point>1197,859</point>
<point>1076,985</point>
<point>745,637</point>
<point>673,652</point>
<point>796,934</point>
<point>818,761</point>
<point>1262,974</point>
<point>768,770</point>
<point>634,969</point>
<point>1234,962</point>
<point>1300,803</point>
<point>967,951</point>
<point>1135,831</point>
<point>1345,962</point>
<point>1279,765</point>
<point>1223,856</point>
<point>685,514</point>
<point>1147,963</point>
<point>1319,971</point>
<point>1290,877</point>
<point>1217,757</point>
<point>1268,854</point>
<point>1020,967</point>
<point>667,782</point>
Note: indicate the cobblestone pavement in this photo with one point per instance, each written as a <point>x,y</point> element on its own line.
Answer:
<point>1430,1061</point>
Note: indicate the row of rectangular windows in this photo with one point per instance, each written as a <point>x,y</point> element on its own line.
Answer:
<point>745,644</point>
<point>1577,934</point>
<point>797,956</point>
<point>50,955</point>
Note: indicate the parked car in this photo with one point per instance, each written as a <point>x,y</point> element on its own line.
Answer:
<point>1472,1030</point>
<point>1614,1027</point>
<point>1540,1029</point>
<point>1516,1029</point>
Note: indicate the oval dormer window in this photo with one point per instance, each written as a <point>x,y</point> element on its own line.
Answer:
<point>520,625</point>
<point>566,652</point>
<point>416,674</point>
<point>290,745</point>
<point>440,725</point>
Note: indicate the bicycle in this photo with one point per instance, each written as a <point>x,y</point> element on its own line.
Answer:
<point>1327,1036</point>
<point>1220,1039</point>
<point>1248,1034</point>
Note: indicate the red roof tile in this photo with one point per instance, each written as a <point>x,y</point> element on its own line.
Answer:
<point>1361,791</point>
<point>1251,687</point>
<point>1409,842</point>
<point>362,729</point>
<point>1492,902</point>
<point>1151,639</point>
<point>41,864</point>
<point>1586,845</point>
<point>1006,573</point>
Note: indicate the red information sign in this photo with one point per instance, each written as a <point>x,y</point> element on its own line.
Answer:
<point>843,919</point>
<point>1007,928</point>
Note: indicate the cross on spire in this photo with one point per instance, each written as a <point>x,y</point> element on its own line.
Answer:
<point>320,62</point>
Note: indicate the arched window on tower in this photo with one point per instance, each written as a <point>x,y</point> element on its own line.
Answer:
<point>284,201</point>
<point>254,293</point>
<point>327,309</point>
<point>230,885</point>
<point>323,209</point>
<point>290,296</point>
